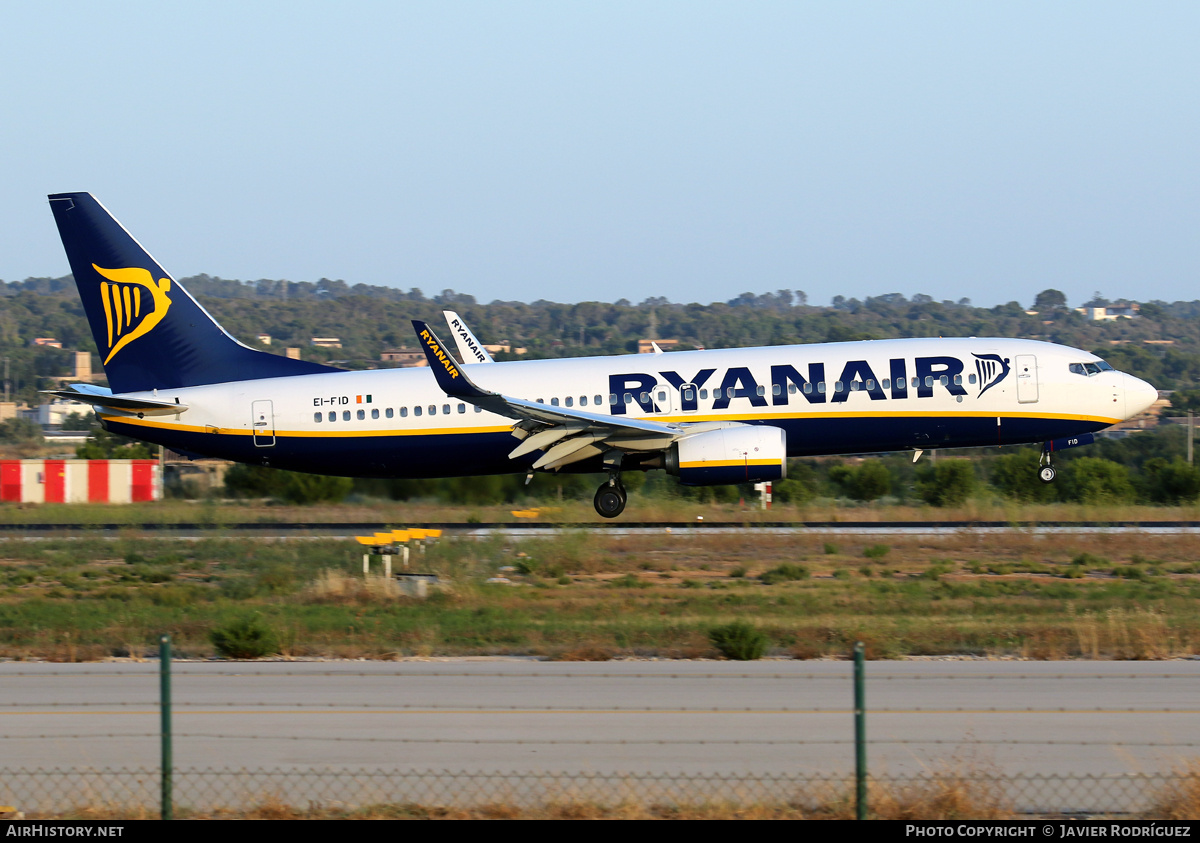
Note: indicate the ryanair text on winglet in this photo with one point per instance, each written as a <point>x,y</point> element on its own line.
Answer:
<point>441,355</point>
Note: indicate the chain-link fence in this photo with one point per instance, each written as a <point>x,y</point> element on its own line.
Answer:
<point>135,792</point>
<point>694,717</point>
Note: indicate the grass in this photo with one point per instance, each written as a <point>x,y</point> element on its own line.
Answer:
<point>1013,594</point>
<point>642,508</point>
<point>948,793</point>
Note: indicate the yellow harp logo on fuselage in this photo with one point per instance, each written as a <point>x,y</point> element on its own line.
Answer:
<point>129,312</point>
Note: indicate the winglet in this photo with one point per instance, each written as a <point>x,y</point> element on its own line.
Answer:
<point>470,349</point>
<point>449,373</point>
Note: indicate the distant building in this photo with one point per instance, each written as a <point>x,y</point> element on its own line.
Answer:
<point>327,342</point>
<point>497,348</point>
<point>404,357</point>
<point>265,339</point>
<point>47,342</point>
<point>52,414</point>
<point>647,346</point>
<point>292,353</point>
<point>1118,310</point>
<point>83,366</point>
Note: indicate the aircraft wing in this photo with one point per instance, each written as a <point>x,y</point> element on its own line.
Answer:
<point>566,435</point>
<point>470,349</point>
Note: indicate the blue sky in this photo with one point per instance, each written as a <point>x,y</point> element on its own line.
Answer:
<point>597,151</point>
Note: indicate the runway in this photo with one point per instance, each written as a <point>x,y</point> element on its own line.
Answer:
<point>683,530</point>
<point>784,717</point>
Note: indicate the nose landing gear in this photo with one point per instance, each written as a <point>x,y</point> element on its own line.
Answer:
<point>1046,472</point>
<point>610,498</point>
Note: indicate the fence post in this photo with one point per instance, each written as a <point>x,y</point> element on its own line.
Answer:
<point>164,706</point>
<point>860,735</point>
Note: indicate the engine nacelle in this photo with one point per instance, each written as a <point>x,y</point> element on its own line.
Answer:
<point>737,454</point>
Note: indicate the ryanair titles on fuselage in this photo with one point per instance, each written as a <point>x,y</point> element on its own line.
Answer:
<point>856,376</point>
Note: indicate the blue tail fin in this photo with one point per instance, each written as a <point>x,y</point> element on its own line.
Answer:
<point>151,333</point>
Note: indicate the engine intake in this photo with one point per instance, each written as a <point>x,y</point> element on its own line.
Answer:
<point>739,454</point>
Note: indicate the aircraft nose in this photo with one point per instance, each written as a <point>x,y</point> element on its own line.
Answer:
<point>1139,395</point>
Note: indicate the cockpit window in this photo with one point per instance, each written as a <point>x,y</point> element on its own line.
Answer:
<point>1089,369</point>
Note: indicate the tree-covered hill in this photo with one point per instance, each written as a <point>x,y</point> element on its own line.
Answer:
<point>371,318</point>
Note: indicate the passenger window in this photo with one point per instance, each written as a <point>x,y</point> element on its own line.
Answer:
<point>417,410</point>
<point>445,409</point>
<point>644,398</point>
<point>332,416</point>
<point>433,409</point>
<point>612,398</point>
<point>821,387</point>
<point>917,382</point>
<point>569,401</point>
<point>689,395</point>
<point>345,415</point>
<point>599,400</point>
<point>662,396</point>
<point>478,409</point>
<point>628,398</point>
<point>704,394</point>
<point>929,380</point>
<point>943,380</point>
<point>389,412</point>
<point>317,417</point>
<point>553,402</point>
<point>970,379</point>
<point>404,412</point>
<point>582,400</point>
<point>362,414</point>
<point>870,385</point>
<point>791,389</point>
<point>807,388</point>
<point>762,390</point>
<point>462,408</point>
<point>886,383</point>
<point>838,386</point>
<point>854,386</point>
<point>958,380</point>
<point>374,414</point>
<point>731,392</point>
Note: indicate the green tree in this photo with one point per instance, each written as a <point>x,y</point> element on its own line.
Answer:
<point>1049,300</point>
<point>946,483</point>
<point>20,432</point>
<point>866,482</point>
<point>102,445</point>
<point>1170,482</point>
<point>251,481</point>
<point>1095,480</point>
<point>1015,475</point>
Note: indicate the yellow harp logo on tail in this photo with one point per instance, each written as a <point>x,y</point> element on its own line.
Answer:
<point>133,304</point>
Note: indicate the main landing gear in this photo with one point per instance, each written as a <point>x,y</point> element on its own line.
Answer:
<point>610,497</point>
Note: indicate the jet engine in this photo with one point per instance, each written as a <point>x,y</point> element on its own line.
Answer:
<point>735,454</point>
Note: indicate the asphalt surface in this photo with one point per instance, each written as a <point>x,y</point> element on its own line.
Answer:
<point>792,717</point>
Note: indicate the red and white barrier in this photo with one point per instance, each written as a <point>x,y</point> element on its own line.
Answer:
<point>79,481</point>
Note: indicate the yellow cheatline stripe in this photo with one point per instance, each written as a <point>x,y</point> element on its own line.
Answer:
<point>304,434</point>
<point>427,431</point>
<point>723,463</point>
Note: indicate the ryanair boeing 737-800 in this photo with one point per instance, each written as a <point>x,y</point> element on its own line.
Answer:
<point>721,416</point>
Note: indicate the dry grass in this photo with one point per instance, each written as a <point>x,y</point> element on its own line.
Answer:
<point>338,587</point>
<point>1179,800</point>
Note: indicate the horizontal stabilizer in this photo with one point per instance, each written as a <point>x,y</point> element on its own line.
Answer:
<point>120,403</point>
